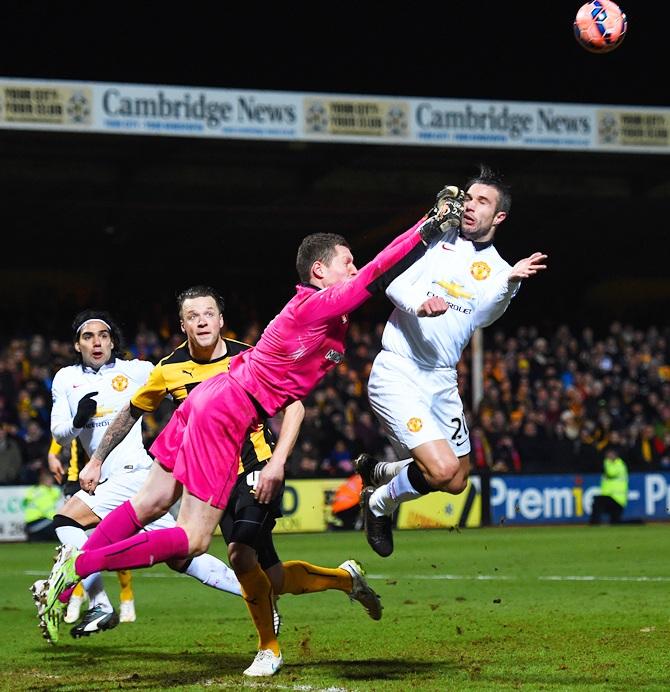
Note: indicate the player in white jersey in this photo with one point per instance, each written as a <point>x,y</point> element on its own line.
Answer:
<point>461,283</point>
<point>86,399</point>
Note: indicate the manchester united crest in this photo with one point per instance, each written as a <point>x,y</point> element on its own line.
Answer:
<point>414,424</point>
<point>480,271</point>
<point>120,382</point>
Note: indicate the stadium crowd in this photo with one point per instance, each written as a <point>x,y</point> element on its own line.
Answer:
<point>551,402</point>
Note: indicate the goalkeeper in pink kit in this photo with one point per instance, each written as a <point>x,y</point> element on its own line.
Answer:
<point>202,442</point>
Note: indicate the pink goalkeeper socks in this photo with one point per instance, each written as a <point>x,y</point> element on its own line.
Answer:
<point>118,524</point>
<point>142,550</point>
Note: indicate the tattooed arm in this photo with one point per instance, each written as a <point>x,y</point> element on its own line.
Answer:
<point>122,424</point>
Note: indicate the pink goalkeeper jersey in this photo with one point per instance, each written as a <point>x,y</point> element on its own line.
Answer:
<point>307,337</point>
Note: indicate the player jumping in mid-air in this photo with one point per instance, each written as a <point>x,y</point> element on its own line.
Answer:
<point>463,283</point>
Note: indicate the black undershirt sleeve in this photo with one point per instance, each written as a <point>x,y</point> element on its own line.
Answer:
<point>382,282</point>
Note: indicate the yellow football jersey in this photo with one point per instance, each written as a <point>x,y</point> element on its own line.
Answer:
<point>77,460</point>
<point>178,374</point>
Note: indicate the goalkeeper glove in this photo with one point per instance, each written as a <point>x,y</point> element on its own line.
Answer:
<point>445,214</point>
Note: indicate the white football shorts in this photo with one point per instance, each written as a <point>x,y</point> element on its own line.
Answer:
<point>417,405</point>
<point>116,490</point>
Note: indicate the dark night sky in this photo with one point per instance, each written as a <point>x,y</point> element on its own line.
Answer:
<point>460,49</point>
<point>501,50</point>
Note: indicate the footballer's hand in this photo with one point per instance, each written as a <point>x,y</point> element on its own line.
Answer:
<point>85,409</point>
<point>446,213</point>
<point>89,476</point>
<point>528,267</point>
<point>433,307</point>
<point>449,206</point>
<point>56,467</point>
<point>269,481</point>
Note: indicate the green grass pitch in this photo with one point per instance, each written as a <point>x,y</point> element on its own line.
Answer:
<point>543,608</point>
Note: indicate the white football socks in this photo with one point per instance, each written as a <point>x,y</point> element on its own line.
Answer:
<point>386,499</point>
<point>71,535</point>
<point>93,584</point>
<point>215,573</point>
<point>387,470</point>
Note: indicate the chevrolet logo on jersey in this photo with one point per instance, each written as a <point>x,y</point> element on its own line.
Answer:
<point>480,271</point>
<point>120,382</point>
<point>102,412</point>
<point>454,290</point>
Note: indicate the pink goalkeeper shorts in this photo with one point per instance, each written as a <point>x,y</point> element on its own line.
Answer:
<point>203,440</point>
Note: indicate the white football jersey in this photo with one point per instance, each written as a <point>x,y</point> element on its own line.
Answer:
<point>115,383</point>
<point>471,277</point>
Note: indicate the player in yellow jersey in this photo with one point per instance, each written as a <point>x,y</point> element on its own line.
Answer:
<point>65,469</point>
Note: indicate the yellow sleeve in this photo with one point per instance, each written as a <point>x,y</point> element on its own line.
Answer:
<point>149,396</point>
<point>54,447</point>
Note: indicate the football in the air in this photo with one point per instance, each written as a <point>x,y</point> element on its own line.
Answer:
<point>600,26</point>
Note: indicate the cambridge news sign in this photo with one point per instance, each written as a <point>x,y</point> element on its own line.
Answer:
<point>131,109</point>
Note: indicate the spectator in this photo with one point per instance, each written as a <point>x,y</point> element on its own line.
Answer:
<point>481,458</point>
<point>563,457</point>
<point>533,449</point>
<point>339,461</point>
<point>613,496</point>
<point>506,458</point>
<point>345,505</point>
<point>40,504</point>
<point>664,461</point>
<point>367,433</point>
<point>8,415</point>
<point>11,458</point>
<point>588,460</point>
<point>36,448</point>
<point>646,450</point>
<point>308,463</point>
